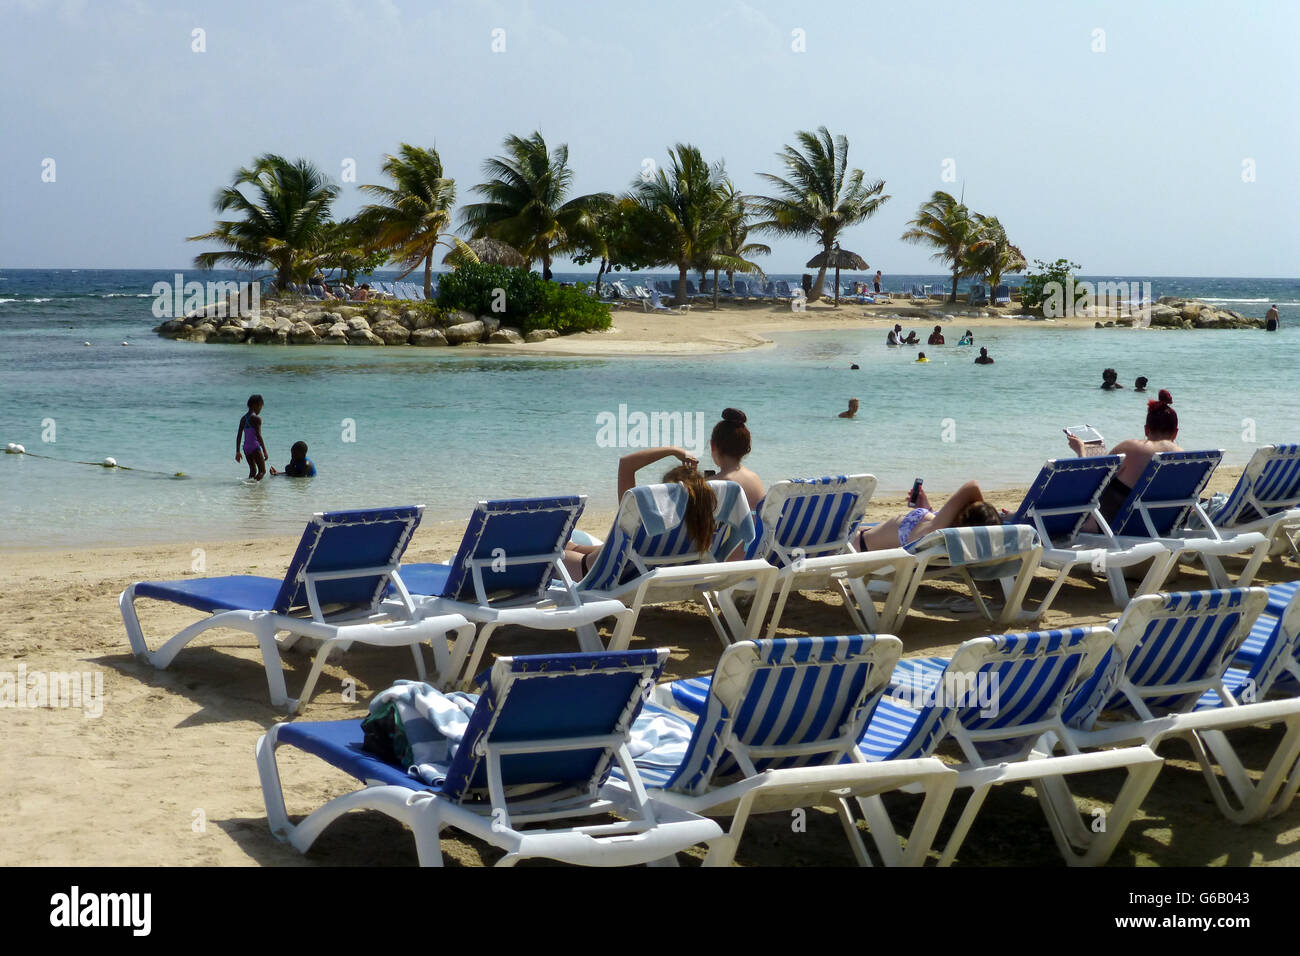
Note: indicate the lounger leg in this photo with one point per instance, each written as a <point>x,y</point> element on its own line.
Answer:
<point>126,604</point>
<point>778,608</point>
<point>589,639</point>
<point>1254,800</point>
<point>1018,587</point>
<point>964,823</point>
<point>272,791</point>
<point>851,831</point>
<point>317,666</point>
<point>465,679</point>
<point>271,663</point>
<point>622,636</point>
<point>882,830</point>
<point>1078,845</point>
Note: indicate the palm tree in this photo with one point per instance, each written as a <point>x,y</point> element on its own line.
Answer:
<point>680,212</point>
<point>819,194</point>
<point>412,215</point>
<point>946,224</point>
<point>525,201</point>
<point>734,252</point>
<point>285,224</point>
<point>992,255</point>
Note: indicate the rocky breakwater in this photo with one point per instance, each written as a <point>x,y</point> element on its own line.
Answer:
<point>1170,312</point>
<point>344,323</point>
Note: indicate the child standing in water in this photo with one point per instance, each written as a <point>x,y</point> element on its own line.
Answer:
<point>249,438</point>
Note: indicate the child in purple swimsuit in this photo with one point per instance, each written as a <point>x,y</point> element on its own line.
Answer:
<point>249,439</point>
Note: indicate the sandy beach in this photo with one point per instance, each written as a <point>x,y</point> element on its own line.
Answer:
<point>744,325</point>
<point>166,776</point>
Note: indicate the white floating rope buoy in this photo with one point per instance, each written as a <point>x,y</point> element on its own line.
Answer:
<point>86,344</point>
<point>13,448</point>
<point>109,462</point>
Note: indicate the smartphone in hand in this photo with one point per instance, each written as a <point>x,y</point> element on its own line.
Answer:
<point>911,495</point>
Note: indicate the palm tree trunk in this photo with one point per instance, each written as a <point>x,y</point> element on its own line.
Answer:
<point>953,300</point>
<point>815,292</point>
<point>682,270</point>
<point>837,286</point>
<point>546,268</point>
<point>715,286</point>
<point>428,276</point>
<point>603,263</point>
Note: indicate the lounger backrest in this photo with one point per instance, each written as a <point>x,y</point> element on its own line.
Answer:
<point>1064,495</point>
<point>1270,484</point>
<point>690,288</point>
<point>1165,493</point>
<point>783,288</point>
<point>348,557</point>
<point>809,517</point>
<point>988,552</point>
<point>1279,655</point>
<point>1003,691</point>
<point>552,698</point>
<point>789,702</point>
<point>513,545</point>
<point>1169,649</point>
<point>631,549</point>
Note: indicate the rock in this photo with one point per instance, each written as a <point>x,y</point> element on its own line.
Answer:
<point>282,324</point>
<point>315,315</point>
<point>463,317</point>
<point>303,334</point>
<point>490,322</point>
<point>392,333</point>
<point>541,335</point>
<point>423,320</point>
<point>1164,314</point>
<point>337,335</point>
<point>356,324</point>
<point>465,332</point>
<point>506,336</point>
<point>261,334</point>
<point>383,315</point>
<point>172,328</point>
<point>229,333</point>
<point>280,338</point>
<point>363,337</point>
<point>428,337</point>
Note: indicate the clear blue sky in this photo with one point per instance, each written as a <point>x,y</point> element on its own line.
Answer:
<point>1127,161</point>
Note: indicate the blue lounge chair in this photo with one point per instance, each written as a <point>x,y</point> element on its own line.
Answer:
<point>539,747</point>
<point>648,557</point>
<point>1169,677</point>
<point>979,295</point>
<point>1002,295</point>
<point>802,529</point>
<point>335,591</point>
<point>1058,504</point>
<point>918,294</point>
<point>783,290</point>
<point>1000,699</point>
<point>1266,498</point>
<point>777,731</point>
<point>510,555</point>
<point>1160,507</point>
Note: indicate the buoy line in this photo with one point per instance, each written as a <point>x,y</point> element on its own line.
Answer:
<point>13,448</point>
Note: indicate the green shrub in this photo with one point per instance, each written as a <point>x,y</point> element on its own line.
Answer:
<point>520,298</point>
<point>1031,292</point>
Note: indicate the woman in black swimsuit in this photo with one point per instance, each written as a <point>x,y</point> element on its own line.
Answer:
<point>1161,430</point>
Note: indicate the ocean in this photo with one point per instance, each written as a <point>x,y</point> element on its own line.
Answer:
<point>446,428</point>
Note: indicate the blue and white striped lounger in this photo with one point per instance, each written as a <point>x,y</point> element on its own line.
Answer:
<point>649,558</point>
<point>1001,699</point>
<point>1266,499</point>
<point>1006,553</point>
<point>777,730</point>
<point>1058,504</point>
<point>1169,677</point>
<point>539,747</point>
<point>503,573</point>
<point>803,529</point>
<point>333,591</point>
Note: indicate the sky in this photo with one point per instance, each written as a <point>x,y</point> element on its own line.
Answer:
<point>1134,138</point>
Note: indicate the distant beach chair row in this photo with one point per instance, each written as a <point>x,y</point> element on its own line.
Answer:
<point>1164,669</point>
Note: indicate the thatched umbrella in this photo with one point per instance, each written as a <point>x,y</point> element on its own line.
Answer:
<point>491,252</point>
<point>839,258</point>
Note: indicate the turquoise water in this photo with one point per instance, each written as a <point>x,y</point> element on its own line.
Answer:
<point>445,428</point>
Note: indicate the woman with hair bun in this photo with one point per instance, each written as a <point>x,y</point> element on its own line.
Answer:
<point>728,445</point>
<point>1161,430</point>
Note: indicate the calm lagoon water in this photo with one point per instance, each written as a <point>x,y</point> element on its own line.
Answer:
<point>444,428</point>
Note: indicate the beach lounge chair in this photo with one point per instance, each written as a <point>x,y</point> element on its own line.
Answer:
<point>999,698</point>
<point>1008,554</point>
<point>1266,499</point>
<point>1165,506</point>
<point>918,295</point>
<point>655,303</point>
<point>538,747</point>
<point>1060,500</point>
<point>1002,295</point>
<point>510,555</point>
<point>649,558</point>
<point>978,295</point>
<point>803,529</point>
<point>335,591</point>
<point>783,290</point>
<point>1169,677</point>
<point>777,730</point>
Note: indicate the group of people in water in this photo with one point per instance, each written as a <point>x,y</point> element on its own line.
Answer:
<point>896,338</point>
<point>250,445</point>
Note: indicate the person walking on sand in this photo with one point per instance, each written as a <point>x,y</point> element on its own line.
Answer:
<point>853,409</point>
<point>249,438</point>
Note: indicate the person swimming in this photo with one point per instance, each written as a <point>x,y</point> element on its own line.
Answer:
<point>983,358</point>
<point>911,338</point>
<point>936,337</point>
<point>967,339</point>
<point>1141,384</point>
<point>895,336</point>
<point>1110,379</point>
<point>853,409</point>
<point>920,357</point>
<point>300,466</point>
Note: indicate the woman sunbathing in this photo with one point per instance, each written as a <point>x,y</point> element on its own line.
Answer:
<point>1161,430</point>
<point>964,509</point>
<point>729,444</point>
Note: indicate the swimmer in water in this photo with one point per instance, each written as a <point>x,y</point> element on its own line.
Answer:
<point>853,409</point>
<point>921,357</point>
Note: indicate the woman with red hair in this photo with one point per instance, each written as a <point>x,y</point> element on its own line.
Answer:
<point>1161,430</point>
